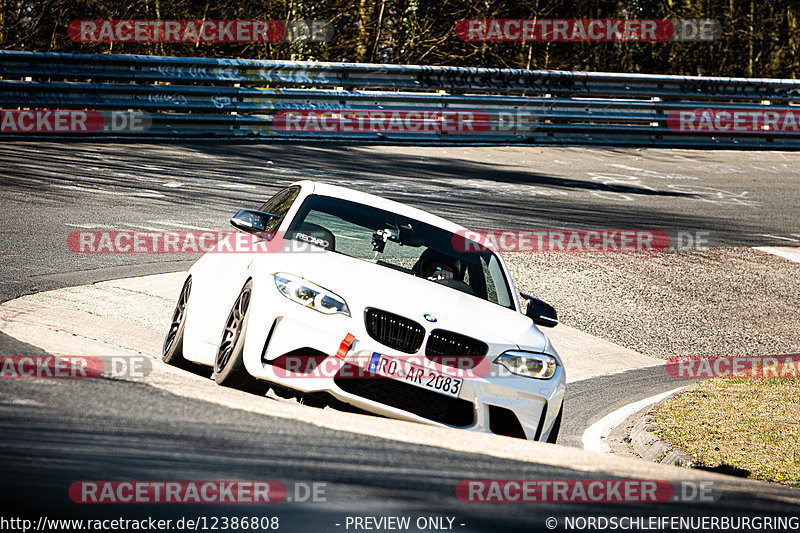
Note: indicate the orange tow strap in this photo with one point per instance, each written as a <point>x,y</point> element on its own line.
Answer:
<point>345,346</point>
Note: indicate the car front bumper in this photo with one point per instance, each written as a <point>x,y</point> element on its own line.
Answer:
<point>484,403</point>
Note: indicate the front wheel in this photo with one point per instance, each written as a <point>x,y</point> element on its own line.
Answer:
<point>556,427</point>
<point>229,370</point>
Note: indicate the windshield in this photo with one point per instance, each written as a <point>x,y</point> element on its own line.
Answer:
<point>401,243</point>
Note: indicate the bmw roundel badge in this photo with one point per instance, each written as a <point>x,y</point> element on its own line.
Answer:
<point>429,318</point>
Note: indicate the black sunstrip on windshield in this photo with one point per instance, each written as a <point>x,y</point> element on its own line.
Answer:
<point>403,244</point>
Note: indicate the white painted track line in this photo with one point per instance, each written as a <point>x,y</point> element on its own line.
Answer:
<point>594,438</point>
<point>169,224</point>
<point>792,253</point>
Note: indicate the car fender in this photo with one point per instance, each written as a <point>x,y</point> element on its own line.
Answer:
<point>217,280</point>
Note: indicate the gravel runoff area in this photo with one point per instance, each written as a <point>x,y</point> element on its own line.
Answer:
<point>721,301</point>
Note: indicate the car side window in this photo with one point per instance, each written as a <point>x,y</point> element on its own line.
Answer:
<point>279,205</point>
<point>492,271</point>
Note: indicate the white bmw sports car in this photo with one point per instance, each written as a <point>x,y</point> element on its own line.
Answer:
<point>374,305</point>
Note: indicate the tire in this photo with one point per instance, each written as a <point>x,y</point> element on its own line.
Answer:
<point>172,350</point>
<point>556,427</point>
<point>229,370</point>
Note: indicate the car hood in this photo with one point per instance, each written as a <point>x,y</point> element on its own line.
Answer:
<point>363,284</point>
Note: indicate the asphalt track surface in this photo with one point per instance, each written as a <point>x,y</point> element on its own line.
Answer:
<point>51,189</point>
<point>57,432</point>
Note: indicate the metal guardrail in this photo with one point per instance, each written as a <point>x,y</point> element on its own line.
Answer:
<point>236,98</point>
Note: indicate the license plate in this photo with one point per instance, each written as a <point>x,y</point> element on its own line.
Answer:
<point>415,374</point>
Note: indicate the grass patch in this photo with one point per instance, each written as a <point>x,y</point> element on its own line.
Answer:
<point>748,426</point>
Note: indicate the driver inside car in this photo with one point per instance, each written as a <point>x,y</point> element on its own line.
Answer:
<point>434,265</point>
<point>441,272</point>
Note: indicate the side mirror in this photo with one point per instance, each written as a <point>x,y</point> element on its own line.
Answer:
<point>251,221</point>
<point>541,312</point>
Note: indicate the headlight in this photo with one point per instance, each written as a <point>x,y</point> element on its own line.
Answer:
<point>310,294</point>
<point>528,364</point>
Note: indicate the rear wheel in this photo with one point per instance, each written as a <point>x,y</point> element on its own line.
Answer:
<point>229,370</point>
<point>172,351</point>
